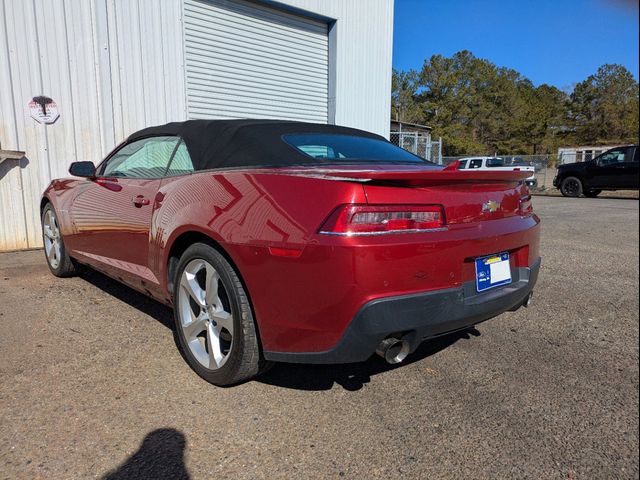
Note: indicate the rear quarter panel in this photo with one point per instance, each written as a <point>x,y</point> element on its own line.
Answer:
<point>246,213</point>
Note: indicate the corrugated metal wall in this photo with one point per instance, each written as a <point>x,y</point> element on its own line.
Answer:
<point>249,61</point>
<point>112,67</point>
<point>360,60</point>
<point>115,66</point>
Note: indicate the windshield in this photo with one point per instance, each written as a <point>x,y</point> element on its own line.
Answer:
<point>349,148</point>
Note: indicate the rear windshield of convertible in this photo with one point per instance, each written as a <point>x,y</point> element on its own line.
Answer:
<point>348,148</point>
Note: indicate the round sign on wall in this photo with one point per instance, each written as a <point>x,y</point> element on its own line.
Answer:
<point>43,109</point>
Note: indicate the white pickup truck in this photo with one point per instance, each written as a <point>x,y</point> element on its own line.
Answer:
<point>496,163</point>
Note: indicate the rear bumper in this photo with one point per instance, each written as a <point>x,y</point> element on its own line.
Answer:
<point>418,317</point>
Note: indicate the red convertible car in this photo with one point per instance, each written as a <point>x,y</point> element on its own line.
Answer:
<point>295,242</point>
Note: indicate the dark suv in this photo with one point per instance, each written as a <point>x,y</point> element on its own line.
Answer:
<point>615,169</point>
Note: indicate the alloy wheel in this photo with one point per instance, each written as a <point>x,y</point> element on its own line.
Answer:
<point>572,187</point>
<point>205,314</point>
<point>52,241</point>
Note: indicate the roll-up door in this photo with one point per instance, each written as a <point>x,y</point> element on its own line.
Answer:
<point>245,60</point>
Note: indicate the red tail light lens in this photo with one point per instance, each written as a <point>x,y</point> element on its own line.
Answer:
<point>525,207</point>
<point>380,219</point>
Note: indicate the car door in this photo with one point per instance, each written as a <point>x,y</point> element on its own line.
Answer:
<point>611,169</point>
<point>632,172</point>
<point>112,213</point>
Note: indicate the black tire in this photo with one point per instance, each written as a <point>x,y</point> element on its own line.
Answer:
<point>61,265</point>
<point>592,193</point>
<point>244,355</point>
<point>571,187</point>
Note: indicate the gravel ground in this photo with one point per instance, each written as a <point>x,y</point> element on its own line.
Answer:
<point>93,386</point>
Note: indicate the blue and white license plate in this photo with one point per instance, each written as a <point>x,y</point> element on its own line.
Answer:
<point>492,271</point>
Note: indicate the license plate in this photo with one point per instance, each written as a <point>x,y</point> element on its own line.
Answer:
<point>492,271</point>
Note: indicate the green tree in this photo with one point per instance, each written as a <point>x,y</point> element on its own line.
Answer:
<point>404,87</point>
<point>471,103</point>
<point>604,107</point>
<point>448,100</point>
<point>545,119</point>
<point>479,108</point>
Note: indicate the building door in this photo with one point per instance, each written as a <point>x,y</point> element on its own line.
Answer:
<point>245,60</point>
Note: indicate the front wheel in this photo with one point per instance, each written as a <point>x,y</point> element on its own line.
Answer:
<point>213,318</point>
<point>60,264</point>
<point>571,187</point>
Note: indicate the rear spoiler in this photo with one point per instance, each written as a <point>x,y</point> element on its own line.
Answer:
<point>408,175</point>
<point>430,176</point>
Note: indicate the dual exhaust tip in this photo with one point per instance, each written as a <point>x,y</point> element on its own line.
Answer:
<point>393,350</point>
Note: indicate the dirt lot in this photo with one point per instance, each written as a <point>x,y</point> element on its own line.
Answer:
<point>92,384</point>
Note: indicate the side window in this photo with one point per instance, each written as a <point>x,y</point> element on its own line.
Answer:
<point>613,156</point>
<point>636,157</point>
<point>462,165</point>
<point>181,163</point>
<point>629,151</point>
<point>476,163</point>
<point>145,158</point>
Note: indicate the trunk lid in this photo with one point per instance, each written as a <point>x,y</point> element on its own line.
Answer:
<point>466,195</point>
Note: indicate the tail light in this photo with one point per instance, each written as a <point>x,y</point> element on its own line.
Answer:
<point>525,206</point>
<point>381,219</point>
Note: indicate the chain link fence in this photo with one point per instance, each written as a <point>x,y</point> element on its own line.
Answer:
<point>418,144</point>
<point>544,165</point>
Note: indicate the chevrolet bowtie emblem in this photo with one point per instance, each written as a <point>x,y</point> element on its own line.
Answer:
<point>490,206</point>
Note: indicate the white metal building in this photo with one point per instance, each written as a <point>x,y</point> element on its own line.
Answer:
<point>582,153</point>
<point>111,67</point>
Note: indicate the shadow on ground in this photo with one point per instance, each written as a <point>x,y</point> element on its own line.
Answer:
<point>160,456</point>
<point>137,300</point>
<point>351,376</point>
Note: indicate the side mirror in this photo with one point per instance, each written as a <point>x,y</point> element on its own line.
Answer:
<point>83,169</point>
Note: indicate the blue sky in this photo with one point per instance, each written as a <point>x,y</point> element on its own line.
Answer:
<point>559,42</point>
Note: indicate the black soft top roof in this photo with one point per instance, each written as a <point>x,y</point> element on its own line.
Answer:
<point>244,143</point>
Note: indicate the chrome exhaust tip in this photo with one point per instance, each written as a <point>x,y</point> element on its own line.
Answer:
<point>529,300</point>
<point>393,350</point>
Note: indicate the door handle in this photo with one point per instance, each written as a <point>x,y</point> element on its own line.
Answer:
<point>139,201</point>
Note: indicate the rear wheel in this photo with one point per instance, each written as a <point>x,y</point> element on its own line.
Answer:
<point>592,193</point>
<point>60,264</point>
<point>213,318</point>
<point>571,187</point>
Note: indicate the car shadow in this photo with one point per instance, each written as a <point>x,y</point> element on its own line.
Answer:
<point>145,304</point>
<point>350,376</point>
<point>160,456</point>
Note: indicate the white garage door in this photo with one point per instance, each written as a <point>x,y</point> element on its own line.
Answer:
<point>250,61</point>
